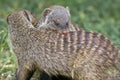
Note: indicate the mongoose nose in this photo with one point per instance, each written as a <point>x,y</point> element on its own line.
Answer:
<point>67,24</point>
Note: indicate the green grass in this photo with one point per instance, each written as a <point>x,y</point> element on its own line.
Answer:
<point>101,16</point>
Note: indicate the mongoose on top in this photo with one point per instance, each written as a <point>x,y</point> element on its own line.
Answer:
<point>79,54</point>
<point>57,18</point>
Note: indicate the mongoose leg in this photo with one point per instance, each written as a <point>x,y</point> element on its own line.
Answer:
<point>24,73</point>
<point>44,76</point>
<point>61,77</point>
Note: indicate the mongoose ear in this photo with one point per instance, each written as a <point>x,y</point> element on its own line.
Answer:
<point>7,18</point>
<point>29,16</point>
<point>26,13</point>
<point>68,10</point>
<point>46,11</point>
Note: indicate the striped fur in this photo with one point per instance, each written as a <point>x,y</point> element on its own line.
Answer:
<point>74,40</point>
<point>78,54</point>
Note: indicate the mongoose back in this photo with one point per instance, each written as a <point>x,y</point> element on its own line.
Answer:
<point>79,54</point>
<point>57,18</point>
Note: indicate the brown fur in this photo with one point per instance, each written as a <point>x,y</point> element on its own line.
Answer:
<point>56,18</point>
<point>79,54</point>
<point>58,21</point>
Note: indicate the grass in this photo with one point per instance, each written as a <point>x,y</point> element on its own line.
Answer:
<point>96,15</point>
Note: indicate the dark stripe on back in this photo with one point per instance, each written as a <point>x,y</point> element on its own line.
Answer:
<point>79,36</point>
<point>117,57</point>
<point>87,37</point>
<point>113,52</point>
<point>72,42</point>
<point>59,42</point>
<point>108,43</point>
<point>101,42</point>
<point>94,36</point>
<point>102,39</point>
<point>65,42</point>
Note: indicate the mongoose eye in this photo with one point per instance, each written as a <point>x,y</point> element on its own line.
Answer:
<point>67,24</point>
<point>46,11</point>
<point>56,22</point>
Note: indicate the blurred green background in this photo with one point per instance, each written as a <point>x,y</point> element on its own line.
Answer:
<point>101,16</point>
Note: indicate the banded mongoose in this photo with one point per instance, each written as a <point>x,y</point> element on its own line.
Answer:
<point>57,18</point>
<point>79,54</point>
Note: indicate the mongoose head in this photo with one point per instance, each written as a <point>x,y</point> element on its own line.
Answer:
<point>55,17</point>
<point>21,18</point>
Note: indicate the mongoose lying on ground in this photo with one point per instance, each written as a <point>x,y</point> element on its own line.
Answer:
<point>79,54</point>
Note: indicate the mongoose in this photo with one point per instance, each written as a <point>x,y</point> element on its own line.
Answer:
<point>79,54</point>
<point>64,17</point>
<point>57,18</point>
